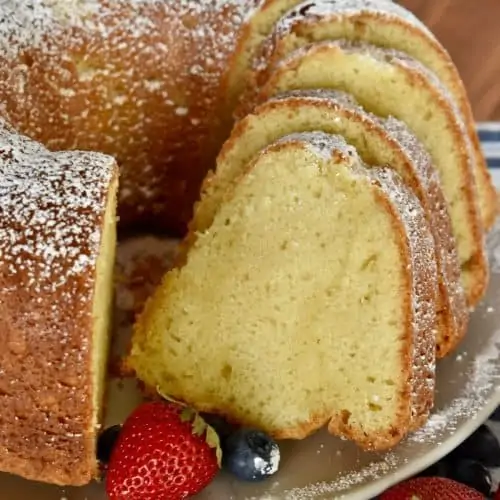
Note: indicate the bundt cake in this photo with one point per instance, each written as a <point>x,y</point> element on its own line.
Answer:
<point>387,82</point>
<point>57,220</point>
<point>307,294</point>
<point>136,79</point>
<point>152,86</point>
<point>378,142</point>
<point>385,24</point>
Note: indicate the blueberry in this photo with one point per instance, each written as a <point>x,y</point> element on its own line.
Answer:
<point>495,416</point>
<point>106,443</point>
<point>250,455</point>
<point>473,474</point>
<point>439,469</point>
<point>482,446</point>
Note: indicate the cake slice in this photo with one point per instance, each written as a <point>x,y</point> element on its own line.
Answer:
<point>286,300</point>
<point>259,24</point>
<point>378,142</point>
<point>57,221</point>
<point>384,24</point>
<point>390,83</point>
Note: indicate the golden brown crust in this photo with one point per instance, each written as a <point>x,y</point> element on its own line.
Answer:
<point>51,214</point>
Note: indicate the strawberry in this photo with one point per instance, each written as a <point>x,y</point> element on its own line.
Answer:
<point>431,488</point>
<point>497,494</point>
<point>164,452</point>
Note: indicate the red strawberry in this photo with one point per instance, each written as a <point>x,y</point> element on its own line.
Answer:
<point>497,495</point>
<point>164,452</point>
<point>431,488</point>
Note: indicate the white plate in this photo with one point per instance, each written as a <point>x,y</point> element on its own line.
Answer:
<point>322,467</point>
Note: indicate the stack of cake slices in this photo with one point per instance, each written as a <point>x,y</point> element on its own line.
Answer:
<point>338,246</point>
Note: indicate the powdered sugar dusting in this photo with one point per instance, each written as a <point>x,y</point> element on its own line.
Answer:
<point>483,376</point>
<point>328,10</point>
<point>52,221</point>
<point>268,467</point>
<point>322,144</point>
<point>316,94</point>
<point>323,466</point>
<point>51,205</point>
<point>346,481</point>
<point>441,227</point>
<point>424,284</point>
<point>26,23</point>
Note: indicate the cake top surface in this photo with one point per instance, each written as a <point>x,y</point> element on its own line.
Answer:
<point>424,278</point>
<point>72,63</point>
<point>34,23</point>
<point>50,205</point>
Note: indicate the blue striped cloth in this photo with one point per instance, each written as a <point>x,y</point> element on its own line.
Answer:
<point>489,133</point>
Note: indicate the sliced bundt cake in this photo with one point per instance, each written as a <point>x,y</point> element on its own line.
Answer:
<point>385,24</point>
<point>57,221</point>
<point>286,299</point>
<point>379,142</point>
<point>387,82</point>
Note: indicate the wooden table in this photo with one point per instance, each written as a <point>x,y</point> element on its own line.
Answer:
<point>470,30</point>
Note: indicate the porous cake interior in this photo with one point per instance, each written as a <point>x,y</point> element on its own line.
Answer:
<point>103,305</point>
<point>289,308</point>
<point>386,90</point>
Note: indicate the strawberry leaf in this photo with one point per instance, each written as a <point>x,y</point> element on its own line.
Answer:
<point>199,425</point>
<point>187,414</point>
<point>212,439</point>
